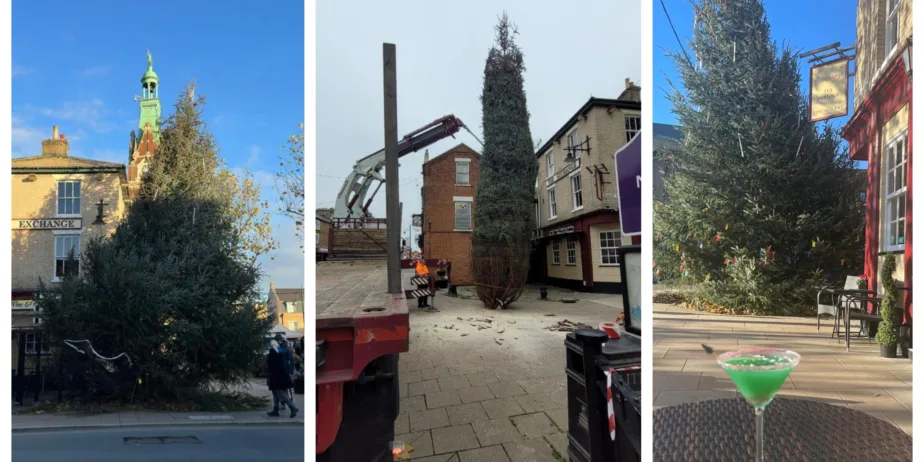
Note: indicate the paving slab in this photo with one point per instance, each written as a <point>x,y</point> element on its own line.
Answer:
<point>534,425</point>
<point>412,404</point>
<point>466,413</point>
<point>424,387</point>
<point>453,439</point>
<point>420,442</point>
<point>443,399</point>
<point>530,450</point>
<point>497,431</point>
<point>502,407</point>
<point>432,418</point>
<point>476,393</point>
<point>488,454</point>
<point>506,389</point>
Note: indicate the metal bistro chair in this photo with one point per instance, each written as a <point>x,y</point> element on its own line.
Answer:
<point>855,310</point>
<point>831,301</point>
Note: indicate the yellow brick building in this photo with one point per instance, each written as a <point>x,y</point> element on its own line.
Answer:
<point>59,203</point>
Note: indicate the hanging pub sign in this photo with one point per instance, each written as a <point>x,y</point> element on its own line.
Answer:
<point>417,220</point>
<point>48,223</point>
<point>829,89</point>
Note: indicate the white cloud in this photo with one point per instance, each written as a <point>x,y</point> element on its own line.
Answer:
<point>94,71</point>
<point>27,140</point>
<point>91,113</point>
<point>19,70</point>
<point>255,152</point>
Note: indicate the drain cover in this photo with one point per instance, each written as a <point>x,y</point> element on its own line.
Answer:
<point>134,441</point>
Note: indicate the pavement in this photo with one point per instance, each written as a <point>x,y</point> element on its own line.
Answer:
<point>860,379</point>
<point>489,385</point>
<point>213,443</point>
<point>135,419</point>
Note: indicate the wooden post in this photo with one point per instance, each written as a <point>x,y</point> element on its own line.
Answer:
<point>392,206</point>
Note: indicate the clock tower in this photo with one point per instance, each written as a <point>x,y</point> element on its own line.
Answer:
<point>144,141</point>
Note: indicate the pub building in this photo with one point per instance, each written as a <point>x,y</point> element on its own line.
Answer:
<point>59,202</point>
<point>879,133</point>
<point>578,230</point>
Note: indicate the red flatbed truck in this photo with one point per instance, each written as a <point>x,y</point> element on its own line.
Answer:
<point>361,329</point>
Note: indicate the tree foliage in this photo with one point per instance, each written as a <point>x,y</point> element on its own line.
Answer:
<point>173,287</point>
<point>508,170</point>
<point>290,180</point>
<point>760,205</point>
<point>890,309</point>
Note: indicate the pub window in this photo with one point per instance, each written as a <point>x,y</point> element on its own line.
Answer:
<point>32,344</point>
<point>317,238</point>
<point>573,143</point>
<point>633,124</point>
<point>550,163</point>
<point>462,172</point>
<point>896,191</point>
<point>293,325</point>
<point>572,252</point>
<point>556,252</point>
<point>65,245</point>
<point>317,225</point>
<point>463,216</point>
<point>68,198</point>
<point>576,197</point>
<point>609,242</point>
<point>553,207</point>
<point>892,24</point>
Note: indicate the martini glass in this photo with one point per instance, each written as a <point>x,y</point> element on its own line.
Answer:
<point>759,373</point>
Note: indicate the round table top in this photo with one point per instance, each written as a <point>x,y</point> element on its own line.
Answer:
<point>794,430</point>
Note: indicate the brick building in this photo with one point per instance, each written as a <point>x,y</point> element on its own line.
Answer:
<point>287,308</point>
<point>448,194</point>
<point>59,203</point>
<point>879,132</point>
<point>577,208</point>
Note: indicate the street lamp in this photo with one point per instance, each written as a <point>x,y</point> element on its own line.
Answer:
<point>906,58</point>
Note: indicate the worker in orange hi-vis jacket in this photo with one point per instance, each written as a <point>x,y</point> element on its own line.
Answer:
<point>422,272</point>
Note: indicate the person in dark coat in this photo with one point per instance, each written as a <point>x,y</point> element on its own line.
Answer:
<point>279,380</point>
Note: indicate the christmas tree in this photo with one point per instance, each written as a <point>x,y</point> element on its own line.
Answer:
<point>506,187</point>
<point>173,287</point>
<point>761,205</point>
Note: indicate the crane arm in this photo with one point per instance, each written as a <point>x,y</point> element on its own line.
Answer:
<point>351,202</point>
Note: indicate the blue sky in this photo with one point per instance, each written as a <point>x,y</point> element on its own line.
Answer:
<point>78,67</point>
<point>805,25</point>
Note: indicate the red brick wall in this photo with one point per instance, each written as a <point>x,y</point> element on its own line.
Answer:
<point>439,188</point>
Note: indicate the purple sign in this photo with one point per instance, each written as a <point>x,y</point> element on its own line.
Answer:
<point>629,186</point>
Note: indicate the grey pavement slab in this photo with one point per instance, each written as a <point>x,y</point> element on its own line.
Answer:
<point>498,431</point>
<point>443,399</point>
<point>453,439</point>
<point>488,454</point>
<point>476,393</point>
<point>432,418</point>
<point>502,407</point>
<point>466,413</point>
<point>534,425</point>
<point>530,450</point>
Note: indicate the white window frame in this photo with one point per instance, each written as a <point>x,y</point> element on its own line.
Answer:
<point>317,238</point>
<point>471,213</point>
<point>553,206</point>
<point>468,171</point>
<point>892,24</point>
<point>556,252</point>
<point>573,143</point>
<point>571,252</point>
<point>64,234</point>
<point>896,174</point>
<point>31,341</point>
<point>75,200</point>
<point>577,195</point>
<point>317,225</point>
<point>293,326</point>
<point>608,254</point>
<point>632,129</point>
<point>550,163</point>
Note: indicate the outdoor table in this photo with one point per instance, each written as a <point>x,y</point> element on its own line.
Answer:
<point>794,430</point>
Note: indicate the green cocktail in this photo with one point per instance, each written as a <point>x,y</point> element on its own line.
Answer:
<point>759,373</point>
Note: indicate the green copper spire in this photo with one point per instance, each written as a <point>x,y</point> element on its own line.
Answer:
<point>149,102</point>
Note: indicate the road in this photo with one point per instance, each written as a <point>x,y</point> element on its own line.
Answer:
<point>216,443</point>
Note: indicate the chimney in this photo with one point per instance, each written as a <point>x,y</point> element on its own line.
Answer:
<point>426,156</point>
<point>56,146</point>
<point>629,83</point>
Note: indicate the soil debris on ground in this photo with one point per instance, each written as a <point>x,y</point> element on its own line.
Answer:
<point>567,326</point>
